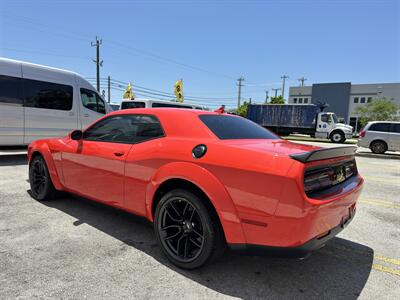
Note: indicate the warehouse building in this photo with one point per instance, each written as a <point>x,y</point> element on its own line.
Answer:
<point>344,97</point>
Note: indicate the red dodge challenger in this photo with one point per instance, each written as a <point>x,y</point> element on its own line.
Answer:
<point>206,180</point>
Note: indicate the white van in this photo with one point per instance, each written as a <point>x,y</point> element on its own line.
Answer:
<point>149,103</point>
<point>39,102</point>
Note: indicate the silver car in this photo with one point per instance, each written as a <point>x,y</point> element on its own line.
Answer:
<point>380,136</point>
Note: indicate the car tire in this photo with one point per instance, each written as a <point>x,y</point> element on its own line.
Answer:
<point>378,147</point>
<point>42,187</point>
<point>187,230</point>
<point>337,137</point>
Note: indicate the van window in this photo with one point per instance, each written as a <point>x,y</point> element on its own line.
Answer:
<point>380,127</point>
<point>91,100</point>
<point>169,105</point>
<point>396,127</point>
<point>47,95</point>
<point>11,90</point>
<point>132,104</point>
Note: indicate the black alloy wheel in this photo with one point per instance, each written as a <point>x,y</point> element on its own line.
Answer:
<point>185,229</point>
<point>39,178</point>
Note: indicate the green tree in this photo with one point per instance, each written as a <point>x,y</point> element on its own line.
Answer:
<point>277,100</point>
<point>242,110</point>
<point>381,109</point>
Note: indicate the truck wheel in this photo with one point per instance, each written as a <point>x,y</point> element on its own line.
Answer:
<point>378,147</point>
<point>337,137</point>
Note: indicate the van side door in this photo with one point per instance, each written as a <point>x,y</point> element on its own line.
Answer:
<point>11,104</point>
<point>48,103</point>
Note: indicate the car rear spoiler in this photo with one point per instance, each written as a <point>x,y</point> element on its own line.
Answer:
<point>325,153</point>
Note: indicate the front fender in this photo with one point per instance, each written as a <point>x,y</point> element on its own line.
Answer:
<point>210,185</point>
<point>44,150</point>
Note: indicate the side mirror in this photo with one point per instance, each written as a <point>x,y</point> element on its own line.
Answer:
<point>76,135</point>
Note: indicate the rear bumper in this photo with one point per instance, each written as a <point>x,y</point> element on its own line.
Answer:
<point>298,251</point>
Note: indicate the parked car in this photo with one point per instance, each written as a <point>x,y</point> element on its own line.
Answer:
<point>206,180</point>
<point>153,103</point>
<point>38,102</point>
<point>380,136</point>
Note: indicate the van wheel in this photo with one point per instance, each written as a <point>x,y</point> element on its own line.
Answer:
<point>186,230</point>
<point>42,187</point>
<point>378,147</point>
<point>337,137</point>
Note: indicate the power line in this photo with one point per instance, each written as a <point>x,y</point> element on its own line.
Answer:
<point>276,91</point>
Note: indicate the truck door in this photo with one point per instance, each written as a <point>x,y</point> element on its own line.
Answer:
<point>48,101</point>
<point>323,125</point>
<point>11,104</point>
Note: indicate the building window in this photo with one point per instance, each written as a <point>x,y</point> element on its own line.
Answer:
<point>294,100</point>
<point>369,99</point>
<point>355,99</point>
<point>305,100</point>
<point>300,100</point>
<point>362,100</point>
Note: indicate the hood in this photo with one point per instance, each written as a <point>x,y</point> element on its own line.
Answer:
<point>280,147</point>
<point>344,126</point>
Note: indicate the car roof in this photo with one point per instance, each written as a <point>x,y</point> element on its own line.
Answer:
<point>377,122</point>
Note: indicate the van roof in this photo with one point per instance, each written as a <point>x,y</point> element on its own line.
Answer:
<point>24,63</point>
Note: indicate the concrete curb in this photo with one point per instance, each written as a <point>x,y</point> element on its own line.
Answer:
<point>381,156</point>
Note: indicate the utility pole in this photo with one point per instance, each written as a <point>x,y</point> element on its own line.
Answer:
<point>276,91</point>
<point>109,88</point>
<point>250,100</point>
<point>266,97</point>
<point>284,77</point>
<point>97,61</point>
<point>240,84</point>
<point>302,79</point>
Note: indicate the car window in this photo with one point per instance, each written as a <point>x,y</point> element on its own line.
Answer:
<point>169,105</point>
<point>380,127</point>
<point>231,127</point>
<point>91,100</point>
<point>396,127</point>
<point>47,95</point>
<point>11,90</point>
<point>132,104</point>
<point>126,129</point>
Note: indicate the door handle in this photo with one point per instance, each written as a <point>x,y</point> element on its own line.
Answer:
<point>119,153</point>
<point>86,115</point>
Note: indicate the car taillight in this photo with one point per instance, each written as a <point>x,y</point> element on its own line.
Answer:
<point>362,133</point>
<point>317,179</point>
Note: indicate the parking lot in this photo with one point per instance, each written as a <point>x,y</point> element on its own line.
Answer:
<point>74,248</point>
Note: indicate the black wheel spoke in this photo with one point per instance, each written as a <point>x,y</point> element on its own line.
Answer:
<point>196,242</point>
<point>186,249</point>
<point>171,216</point>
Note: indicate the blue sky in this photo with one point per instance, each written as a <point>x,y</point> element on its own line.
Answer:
<point>210,43</point>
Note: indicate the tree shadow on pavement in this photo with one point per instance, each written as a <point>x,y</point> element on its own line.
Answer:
<point>339,270</point>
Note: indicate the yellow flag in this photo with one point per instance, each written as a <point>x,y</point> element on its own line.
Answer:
<point>128,92</point>
<point>178,91</point>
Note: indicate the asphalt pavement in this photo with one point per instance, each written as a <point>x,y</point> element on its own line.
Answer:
<point>72,248</point>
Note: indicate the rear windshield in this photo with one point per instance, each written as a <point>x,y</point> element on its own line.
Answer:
<point>230,127</point>
<point>132,104</point>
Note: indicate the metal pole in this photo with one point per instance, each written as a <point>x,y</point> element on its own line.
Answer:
<point>283,85</point>
<point>97,61</point>
<point>109,88</point>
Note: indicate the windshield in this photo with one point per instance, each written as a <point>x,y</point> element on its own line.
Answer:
<point>227,127</point>
<point>335,118</point>
<point>132,104</point>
